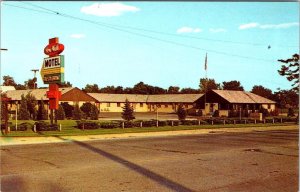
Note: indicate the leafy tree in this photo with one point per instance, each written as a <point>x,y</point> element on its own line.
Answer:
<point>91,88</point>
<point>119,90</point>
<point>94,114</point>
<point>31,103</point>
<point>66,84</point>
<point>86,108</point>
<point>290,69</point>
<point>8,81</point>
<point>127,111</point>
<point>181,112</point>
<point>60,113</point>
<point>208,84</point>
<point>173,90</point>
<point>77,113</point>
<point>189,91</point>
<point>262,91</point>
<point>286,98</point>
<point>232,85</point>
<point>31,83</point>
<point>23,111</point>
<point>68,109</point>
<point>42,112</point>
<point>108,89</point>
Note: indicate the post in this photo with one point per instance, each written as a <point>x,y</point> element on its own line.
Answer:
<point>234,121</point>
<point>245,121</point>
<point>55,116</point>
<point>273,121</point>
<point>17,117</point>
<point>59,127</point>
<point>264,121</point>
<point>199,122</point>
<point>172,122</point>
<point>123,125</point>
<point>212,122</point>
<point>223,121</point>
<point>240,113</point>
<point>280,120</point>
<point>157,123</point>
<point>156,115</point>
<point>254,121</point>
<point>34,128</point>
<point>141,124</point>
<point>82,126</point>
<point>51,116</point>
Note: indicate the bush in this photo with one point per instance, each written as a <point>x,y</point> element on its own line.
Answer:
<point>87,125</point>
<point>68,109</point>
<point>60,113</point>
<point>22,127</point>
<point>151,123</point>
<point>175,123</point>
<point>274,112</point>
<point>45,126</point>
<point>181,112</point>
<point>264,112</point>
<point>109,125</point>
<point>216,113</point>
<point>291,112</point>
<point>233,113</point>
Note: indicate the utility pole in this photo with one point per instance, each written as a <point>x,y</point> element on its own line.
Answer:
<point>34,79</point>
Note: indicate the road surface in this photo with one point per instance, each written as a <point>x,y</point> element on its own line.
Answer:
<point>256,161</point>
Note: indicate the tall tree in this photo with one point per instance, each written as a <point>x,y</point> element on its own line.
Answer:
<point>127,113</point>
<point>31,103</point>
<point>290,69</point>
<point>23,112</point>
<point>60,113</point>
<point>287,99</point>
<point>86,108</point>
<point>4,109</point>
<point>94,113</point>
<point>173,90</point>
<point>91,88</point>
<point>262,91</point>
<point>77,113</point>
<point>232,85</point>
<point>41,113</point>
<point>66,84</point>
<point>189,91</point>
<point>208,84</point>
<point>8,81</point>
<point>68,109</point>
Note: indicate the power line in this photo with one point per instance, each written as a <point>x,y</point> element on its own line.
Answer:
<point>139,34</point>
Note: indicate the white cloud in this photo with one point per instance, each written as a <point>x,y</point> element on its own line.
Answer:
<point>78,36</point>
<point>189,30</point>
<point>268,26</point>
<point>108,9</point>
<point>279,26</point>
<point>248,26</point>
<point>218,30</point>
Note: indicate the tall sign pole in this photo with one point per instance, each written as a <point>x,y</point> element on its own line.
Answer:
<point>52,73</point>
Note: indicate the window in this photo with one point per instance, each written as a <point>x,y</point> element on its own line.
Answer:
<point>141,104</point>
<point>108,105</point>
<point>118,104</point>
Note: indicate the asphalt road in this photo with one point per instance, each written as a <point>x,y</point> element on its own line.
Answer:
<point>256,161</point>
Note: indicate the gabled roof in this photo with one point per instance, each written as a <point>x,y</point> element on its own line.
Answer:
<point>242,97</point>
<point>174,98</point>
<point>165,98</point>
<point>118,98</point>
<point>6,88</point>
<point>37,93</point>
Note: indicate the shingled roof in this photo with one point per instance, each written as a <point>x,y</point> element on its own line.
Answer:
<point>38,93</point>
<point>165,98</point>
<point>242,97</point>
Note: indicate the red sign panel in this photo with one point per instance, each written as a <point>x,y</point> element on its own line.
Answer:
<point>54,48</point>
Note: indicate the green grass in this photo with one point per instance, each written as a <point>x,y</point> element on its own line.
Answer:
<point>69,129</point>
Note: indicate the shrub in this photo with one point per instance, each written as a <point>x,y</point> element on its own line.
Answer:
<point>233,113</point>
<point>77,113</point>
<point>68,109</point>
<point>23,111</point>
<point>45,126</point>
<point>175,123</point>
<point>22,127</point>
<point>87,125</point>
<point>264,112</point>
<point>151,123</point>
<point>94,113</point>
<point>60,113</point>
<point>274,112</point>
<point>291,112</point>
<point>216,113</point>
<point>109,125</point>
<point>181,112</point>
<point>42,112</point>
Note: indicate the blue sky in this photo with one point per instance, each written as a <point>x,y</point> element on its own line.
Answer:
<point>234,35</point>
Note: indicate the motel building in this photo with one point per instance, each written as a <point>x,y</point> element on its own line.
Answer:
<point>222,100</point>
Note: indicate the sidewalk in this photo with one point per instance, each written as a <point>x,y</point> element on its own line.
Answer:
<point>4,141</point>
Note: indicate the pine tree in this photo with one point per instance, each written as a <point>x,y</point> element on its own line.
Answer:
<point>94,113</point>
<point>42,112</point>
<point>23,112</point>
<point>77,113</point>
<point>181,112</point>
<point>127,111</point>
<point>60,113</point>
<point>31,103</point>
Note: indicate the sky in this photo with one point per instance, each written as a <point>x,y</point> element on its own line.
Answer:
<point>160,43</point>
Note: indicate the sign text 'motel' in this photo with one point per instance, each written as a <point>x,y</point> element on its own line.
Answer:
<point>52,62</point>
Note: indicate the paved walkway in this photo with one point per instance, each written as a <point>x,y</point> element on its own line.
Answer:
<point>54,139</point>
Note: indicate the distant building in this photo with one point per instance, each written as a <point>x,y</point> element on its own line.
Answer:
<point>6,88</point>
<point>226,100</point>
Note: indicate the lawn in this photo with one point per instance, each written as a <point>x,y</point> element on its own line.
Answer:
<point>68,128</point>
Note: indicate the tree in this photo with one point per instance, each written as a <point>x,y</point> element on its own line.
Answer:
<point>60,113</point>
<point>127,111</point>
<point>286,98</point>
<point>189,91</point>
<point>77,113</point>
<point>108,89</point>
<point>23,112</point>
<point>31,83</point>
<point>42,112</point>
<point>86,108</point>
<point>8,81</point>
<point>290,69</point>
<point>91,88</point>
<point>181,112</point>
<point>208,84</point>
<point>68,109</point>
<point>66,84</point>
<point>31,103</point>
<point>232,85</point>
<point>262,91</point>
<point>94,114</point>
<point>4,110</point>
<point>173,90</point>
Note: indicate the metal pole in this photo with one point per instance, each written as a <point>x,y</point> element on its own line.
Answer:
<point>156,115</point>
<point>17,117</point>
